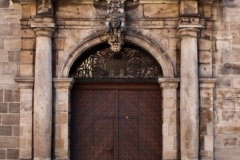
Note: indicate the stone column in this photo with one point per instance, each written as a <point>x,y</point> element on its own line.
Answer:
<point>43,94</point>
<point>169,125</point>
<point>25,84</point>
<point>61,110</point>
<point>189,94</point>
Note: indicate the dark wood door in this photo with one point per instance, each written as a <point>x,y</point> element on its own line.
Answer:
<point>116,121</point>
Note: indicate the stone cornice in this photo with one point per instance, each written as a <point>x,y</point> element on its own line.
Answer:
<point>25,82</point>
<point>207,82</point>
<point>168,83</point>
<point>63,83</point>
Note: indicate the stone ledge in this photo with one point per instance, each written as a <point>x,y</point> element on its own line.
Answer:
<point>63,83</point>
<point>25,82</point>
<point>170,83</point>
<point>207,82</point>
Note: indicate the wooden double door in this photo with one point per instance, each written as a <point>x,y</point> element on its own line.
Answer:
<point>116,121</point>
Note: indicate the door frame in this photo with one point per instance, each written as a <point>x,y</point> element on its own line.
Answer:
<point>62,110</point>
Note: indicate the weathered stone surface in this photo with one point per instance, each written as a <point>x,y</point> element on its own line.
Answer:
<point>26,56</point>
<point>1,95</point>
<point>28,44</point>
<point>205,70</point>
<point>3,107</point>
<point>4,29</point>
<point>236,82</point>
<point>14,56</point>
<point>12,153</point>
<point>161,10</point>
<point>4,57</point>
<point>26,70</point>
<point>14,29</point>
<point>224,82</point>
<point>61,118</point>
<point>225,153</point>
<point>11,119</point>
<point>188,7</point>
<point>4,4</point>
<point>229,69</point>
<point>206,116</point>
<point>12,43</point>
<point>205,57</point>
<point>15,130</point>
<point>76,11</point>
<point>5,130</point>
<point>9,142</point>
<point>230,129</point>
<point>230,116</point>
<point>10,68</point>
<point>206,103</point>
<point>14,107</point>
<point>11,96</point>
<point>204,44</point>
<point>226,104</point>
<point>3,153</point>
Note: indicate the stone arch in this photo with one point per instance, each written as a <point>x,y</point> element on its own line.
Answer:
<point>96,39</point>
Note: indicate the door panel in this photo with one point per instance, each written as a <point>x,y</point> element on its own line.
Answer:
<point>116,121</point>
<point>103,138</point>
<point>129,138</point>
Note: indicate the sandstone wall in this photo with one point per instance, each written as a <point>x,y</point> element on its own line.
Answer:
<point>219,50</point>
<point>10,46</point>
<point>226,67</point>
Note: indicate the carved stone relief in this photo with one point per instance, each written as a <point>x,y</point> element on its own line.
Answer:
<point>44,7</point>
<point>115,27</point>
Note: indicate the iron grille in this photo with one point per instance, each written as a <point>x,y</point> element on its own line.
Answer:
<point>130,63</point>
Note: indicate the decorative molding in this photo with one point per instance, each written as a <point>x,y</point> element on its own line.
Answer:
<point>189,31</point>
<point>63,83</point>
<point>207,82</point>
<point>115,7</point>
<point>168,83</point>
<point>115,29</point>
<point>25,82</point>
<point>44,32</point>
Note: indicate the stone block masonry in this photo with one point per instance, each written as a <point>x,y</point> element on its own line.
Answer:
<point>10,46</point>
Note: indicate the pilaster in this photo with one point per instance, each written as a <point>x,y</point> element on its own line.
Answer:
<point>25,84</point>
<point>170,122</point>
<point>61,116</point>
<point>206,118</point>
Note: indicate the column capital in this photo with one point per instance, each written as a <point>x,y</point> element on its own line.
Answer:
<point>25,82</point>
<point>208,83</point>
<point>168,83</point>
<point>188,31</point>
<point>63,83</point>
<point>44,32</point>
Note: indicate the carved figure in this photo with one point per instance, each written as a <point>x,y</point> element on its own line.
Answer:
<point>44,7</point>
<point>115,29</point>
